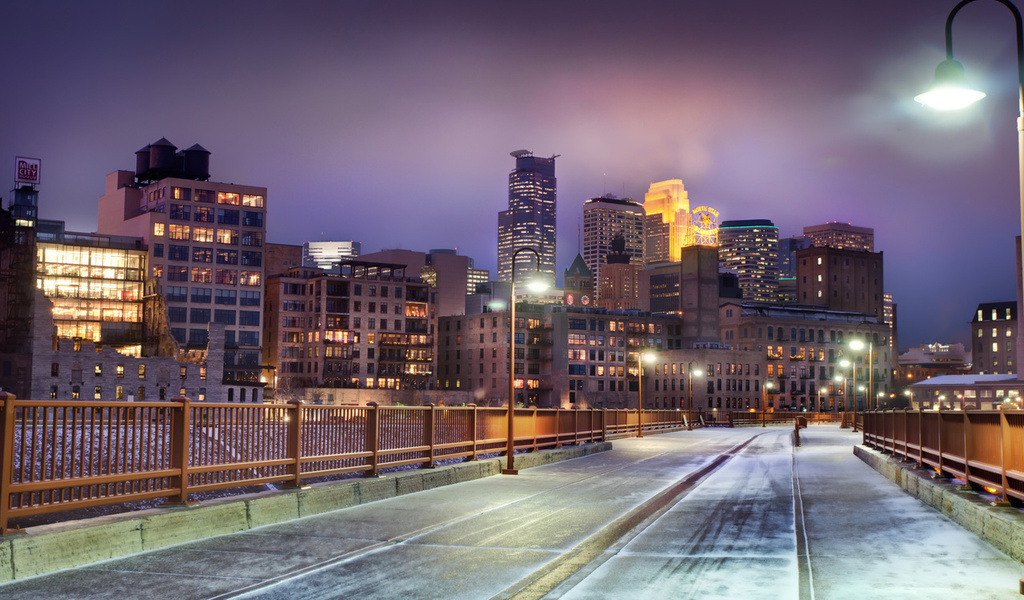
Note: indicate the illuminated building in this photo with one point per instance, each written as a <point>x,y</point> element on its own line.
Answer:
<point>931,360</point>
<point>368,326</point>
<point>994,338</point>
<point>668,221</point>
<point>804,347</point>
<point>605,218</point>
<point>750,249</point>
<point>530,218</point>
<point>476,277</point>
<point>324,255</point>
<point>691,288</point>
<point>841,236</point>
<point>205,260</point>
<point>619,284</point>
<point>446,271</point>
<point>95,283</point>
<point>846,280</point>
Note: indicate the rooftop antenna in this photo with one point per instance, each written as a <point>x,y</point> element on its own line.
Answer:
<point>579,237</point>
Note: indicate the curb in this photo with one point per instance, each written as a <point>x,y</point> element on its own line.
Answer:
<point>49,548</point>
<point>1001,526</point>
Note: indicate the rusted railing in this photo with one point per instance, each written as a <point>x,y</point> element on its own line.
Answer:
<point>59,455</point>
<point>982,448</point>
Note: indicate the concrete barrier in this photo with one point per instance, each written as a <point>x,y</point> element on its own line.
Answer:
<point>1001,526</point>
<point>49,548</point>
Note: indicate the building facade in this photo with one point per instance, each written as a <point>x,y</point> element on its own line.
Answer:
<point>325,254</point>
<point>841,236</point>
<point>530,218</point>
<point>805,350</point>
<point>994,338</point>
<point>668,224</point>
<point>605,218</point>
<point>842,280</point>
<point>205,244</point>
<point>750,249</point>
<point>368,326</point>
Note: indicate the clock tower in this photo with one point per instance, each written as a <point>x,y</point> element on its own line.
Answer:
<point>579,284</point>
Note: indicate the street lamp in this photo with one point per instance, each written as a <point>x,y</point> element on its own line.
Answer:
<point>690,372</point>
<point>950,91</point>
<point>842,381</point>
<point>767,387</point>
<point>537,284</point>
<point>641,358</point>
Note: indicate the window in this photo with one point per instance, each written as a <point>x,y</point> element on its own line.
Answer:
<point>248,338</point>
<point>202,255</point>
<point>177,314</point>
<point>226,277</point>
<point>158,250</point>
<point>199,315</point>
<point>251,200</point>
<point>203,214</point>
<point>204,196</point>
<point>202,234</point>
<point>252,238</point>
<point>252,259</point>
<point>183,374</point>
<point>226,317</point>
<point>142,375</point>
<point>249,278</point>
<point>177,273</point>
<point>178,232</point>
<point>227,217</point>
<point>179,212</point>
<point>249,298</point>
<point>175,252</point>
<point>225,297</point>
<point>248,317</point>
<point>227,236</point>
<point>252,219</point>
<point>99,370</point>
<point>198,337</point>
<point>227,257</point>
<point>54,369</point>
<point>120,371</point>
<point>228,198</point>
<point>158,229</point>
<point>201,295</point>
<point>177,293</point>
<point>97,393</point>
<point>202,275</point>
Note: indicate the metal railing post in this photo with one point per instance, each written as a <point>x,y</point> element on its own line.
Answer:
<point>429,433</point>
<point>938,419</point>
<point>472,432</point>
<point>294,447</point>
<point>604,424</point>
<point>967,446</point>
<point>6,459</point>
<point>373,437</point>
<point>181,425</point>
<point>1005,449</point>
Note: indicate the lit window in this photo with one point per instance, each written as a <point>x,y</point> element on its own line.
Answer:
<point>120,371</point>
<point>995,346</point>
<point>158,229</point>
<point>227,198</point>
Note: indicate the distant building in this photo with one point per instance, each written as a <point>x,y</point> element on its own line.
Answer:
<point>668,225</point>
<point>619,282</point>
<point>530,218</point>
<point>804,348</point>
<point>605,218</point>
<point>931,360</point>
<point>690,289</point>
<point>579,284</point>
<point>841,236</point>
<point>325,255</point>
<point>205,245</point>
<point>843,280</point>
<point>750,249</point>
<point>443,269</point>
<point>994,338</point>
<point>281,258</point>
<point>961,392</point>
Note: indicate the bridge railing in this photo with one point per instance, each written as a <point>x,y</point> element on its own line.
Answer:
<point>982,448</point>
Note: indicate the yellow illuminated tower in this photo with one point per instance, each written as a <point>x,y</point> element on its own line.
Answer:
<point>668,226</point>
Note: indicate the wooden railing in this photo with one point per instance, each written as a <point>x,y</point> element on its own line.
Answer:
<point>983,448</point>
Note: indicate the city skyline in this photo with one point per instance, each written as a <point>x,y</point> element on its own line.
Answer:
<point>356,117</point>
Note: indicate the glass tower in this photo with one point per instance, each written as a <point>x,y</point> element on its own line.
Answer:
<point>530,218</point>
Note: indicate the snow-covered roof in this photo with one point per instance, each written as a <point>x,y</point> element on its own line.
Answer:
<point>967,380</point>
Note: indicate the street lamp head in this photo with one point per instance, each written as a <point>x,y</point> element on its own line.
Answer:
<point>950,90</point>
<point>698,372</point>
<point>647,357</point>
<point>839,378</point>
<point>856,344</point>
<point>769,385</point>
<point>844,363</point>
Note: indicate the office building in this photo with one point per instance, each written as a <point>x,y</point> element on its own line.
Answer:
<point>668,222</point>
<point>326,254</point>
<point>530,219</point>
<point>841,236</point>
<point>750,249</point>
<point>994,338</point>
<point>605,218</point>
<point>619,284</point>
<point>843,280</point>
<point>205,258</point>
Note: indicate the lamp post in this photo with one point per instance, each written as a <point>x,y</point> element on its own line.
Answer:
<point>535,285</point>
<point>690,372</point>
<point>641,358</point>
<point>767,387</point>
<point>842,381</point>
<point>950,92</point>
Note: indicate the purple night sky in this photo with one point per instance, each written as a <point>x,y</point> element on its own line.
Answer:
<point>391,122</point>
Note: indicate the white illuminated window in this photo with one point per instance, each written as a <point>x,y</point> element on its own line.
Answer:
<point>158,229</point>
<point>995,346</point>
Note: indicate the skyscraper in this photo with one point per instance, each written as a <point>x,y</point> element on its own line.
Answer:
<point>841,236</point>
<point>751,249</point>
<point>326,255</point>
<point>668,226</point>
<point>603,219</point>
<point>530,218</point>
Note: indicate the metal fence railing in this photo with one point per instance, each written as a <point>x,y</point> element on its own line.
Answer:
<point>983,448</point>
<point>60,455</point>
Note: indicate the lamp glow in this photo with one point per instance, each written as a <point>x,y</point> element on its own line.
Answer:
<point>950,91</point>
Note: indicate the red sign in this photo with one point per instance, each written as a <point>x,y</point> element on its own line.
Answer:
<point>27,170</point>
